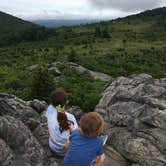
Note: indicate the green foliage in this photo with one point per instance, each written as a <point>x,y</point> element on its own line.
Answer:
<point>42,84</point>
<point>102,33</point>
<point>72,55</point>
<point>82,89</point>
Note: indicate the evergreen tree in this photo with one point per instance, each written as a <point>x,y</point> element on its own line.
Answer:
<point>42,84</point>
<point>105,33</point>
<point>72,55</point>
<point>98,32</point>
<point>101,33</point>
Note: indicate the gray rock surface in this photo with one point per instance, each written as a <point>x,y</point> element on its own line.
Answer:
<point>55,71</point>
<point>33,67</point>
<point>113,158</point>
<point>134,110</point>
<point>38,105</point>
<point>95,75</point>
<point>23,133</point>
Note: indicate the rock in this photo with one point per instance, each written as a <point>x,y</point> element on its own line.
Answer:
<point>6,154</point>
<point>113,158</point>
<point>72,64</point>
<point>26,150</point>
<point>136,149</point>
<point>33,67</point>
<point>100,76</point>
<point>54,64</point>
<point>55,71</point>
<point>76,111</point>
<point>39,106</point>
<point>95,75</point>
<point>53,68</point>
<point>17,108</point>
<point>134,110</point>
<point>23,133</point>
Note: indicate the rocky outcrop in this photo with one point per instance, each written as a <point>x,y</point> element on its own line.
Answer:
<point>134,110</point>
<point>53,68</point>
<point>23,133</point>
<point>38,105</point>
<point>95,75</point>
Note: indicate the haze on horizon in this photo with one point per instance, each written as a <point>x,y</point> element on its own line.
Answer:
<point>77,9</point>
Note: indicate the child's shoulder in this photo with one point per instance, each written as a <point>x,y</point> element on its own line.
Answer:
<point>75,132</point>
<point>99,140</point>
<point>70,116</point>
<point>50,111</point>
<point>50,108</point>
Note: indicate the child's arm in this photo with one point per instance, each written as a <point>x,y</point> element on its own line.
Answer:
<point>67,144</point>
<point>99,159</point>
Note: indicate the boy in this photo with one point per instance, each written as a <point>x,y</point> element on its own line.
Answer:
<point>85,145</point>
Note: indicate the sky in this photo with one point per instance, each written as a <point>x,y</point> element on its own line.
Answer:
<point>76,9</point>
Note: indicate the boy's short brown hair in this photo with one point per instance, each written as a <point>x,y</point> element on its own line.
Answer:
<point>91,124</point>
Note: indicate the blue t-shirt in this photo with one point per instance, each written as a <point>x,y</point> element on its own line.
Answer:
<point>83,150</point>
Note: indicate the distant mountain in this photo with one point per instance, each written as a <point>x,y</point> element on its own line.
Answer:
<point>58,23</point>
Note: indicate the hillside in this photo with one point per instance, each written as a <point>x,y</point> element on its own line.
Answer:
<point>132,45</point>
<point>15,30</point>
<point>10,23</point>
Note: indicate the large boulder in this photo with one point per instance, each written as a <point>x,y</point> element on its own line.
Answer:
<point>19,109</point>
<point>19,146</point>
<point>38,105</point>
<point>134,110</point>
<point>23,133</point>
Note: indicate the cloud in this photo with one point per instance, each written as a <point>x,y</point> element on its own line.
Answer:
<point>76,9</point>
<point>126,5</point>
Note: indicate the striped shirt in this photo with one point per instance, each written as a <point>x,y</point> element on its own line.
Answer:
<point>57,140</point>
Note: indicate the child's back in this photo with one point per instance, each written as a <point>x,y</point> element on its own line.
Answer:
<point>84,149</point>
<point>85,145</point>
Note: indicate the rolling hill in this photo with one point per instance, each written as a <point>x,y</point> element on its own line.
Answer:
<point>11,23</point>
<point>15,30</point>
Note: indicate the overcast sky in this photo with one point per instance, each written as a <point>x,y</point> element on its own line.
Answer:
<point>76,9</point>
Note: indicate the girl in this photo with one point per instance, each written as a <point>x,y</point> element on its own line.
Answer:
<point>60,123</point>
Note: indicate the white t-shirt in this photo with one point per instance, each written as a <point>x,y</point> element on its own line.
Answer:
<point>57,140</point>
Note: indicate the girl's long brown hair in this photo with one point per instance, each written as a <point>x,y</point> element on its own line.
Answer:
<point>59,97</point>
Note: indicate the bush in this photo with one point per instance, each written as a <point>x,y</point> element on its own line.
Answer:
<point>42,84</point>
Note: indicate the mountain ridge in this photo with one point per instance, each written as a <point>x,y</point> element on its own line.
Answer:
<point>9,22</point>
<point>54,23</point>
